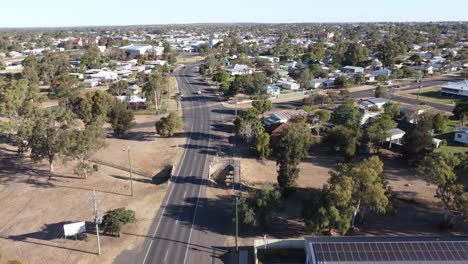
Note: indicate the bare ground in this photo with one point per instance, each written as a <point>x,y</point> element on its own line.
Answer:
<point>34,207</point>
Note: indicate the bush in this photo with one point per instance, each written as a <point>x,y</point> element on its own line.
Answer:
<point>114,220</point>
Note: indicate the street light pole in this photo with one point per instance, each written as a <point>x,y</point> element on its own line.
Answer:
<point>237,223</point>
<point>96,221</point>
<point>130,164</point>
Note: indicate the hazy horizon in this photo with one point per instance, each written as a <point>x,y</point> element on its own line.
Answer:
<point>56,14</point>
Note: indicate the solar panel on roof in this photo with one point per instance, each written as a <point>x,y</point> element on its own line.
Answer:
<point>361,252</point>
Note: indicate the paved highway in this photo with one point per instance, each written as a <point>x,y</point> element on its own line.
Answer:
<point>182,231</point>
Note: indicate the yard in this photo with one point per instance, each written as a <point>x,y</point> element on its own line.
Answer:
<point>36,204</point>
<point>431,94</point>
<point>418,211</point>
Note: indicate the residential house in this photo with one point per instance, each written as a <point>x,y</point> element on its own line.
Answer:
<point>101,75</point>
<point>273,89</point>
<point>91,82</point>
<point>377,102</point>
<point>410,113</point>
<point>289,84</point>
<point>461,135</point>
<point>239,69</point>
<point>456,88</point>
<point>136,49</point>
<point>385,72</point>
<point>282,117</point>
<point>352,70</point>
<point>316,83</point>
<point>396,136</point>
<point>134,90</point>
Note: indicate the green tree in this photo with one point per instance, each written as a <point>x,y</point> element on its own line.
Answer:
<point>82,144</point>
<point>392,109</point>
<point>346,114</point>
<point>221,76</point>
<point>416,58</point>
<point>389,51</point>
<point>344,140</point>
<point>322,117</point>
<point>440,169</point>
<point>379,130</point>
<point>262,105</point>
<point>114,220</point>
<point>325,211</point>
<point>154,87</point>
<point>418,139</point>
<point>257,209</point>
<point>356,55</point>
<point>248,125</point>
<point>292,146</point>
<point>121,118</point>
<point>118,88</point>
<point>381,92</point>
<point>382,78</point>
<point>363,187</point>
<point>95,107</point>
<point>439,123</point>
<point>50,135</point>
<point>91,59</point>
<point>66,88</point>
<point>344,81</point>
<point>19,102</point>
<point>461,111</point>
<point>166,126</point>
<point>263,145</point>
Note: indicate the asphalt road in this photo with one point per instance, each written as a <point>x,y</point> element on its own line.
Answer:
<point>188,228</point>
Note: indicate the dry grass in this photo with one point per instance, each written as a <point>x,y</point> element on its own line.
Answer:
<point>35,208</point>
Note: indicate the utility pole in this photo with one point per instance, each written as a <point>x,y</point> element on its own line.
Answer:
<point>237,223</point>
<point>97,221</point>
<point>130,165</point>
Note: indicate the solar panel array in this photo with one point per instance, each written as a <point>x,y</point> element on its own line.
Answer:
<point>391,251</point>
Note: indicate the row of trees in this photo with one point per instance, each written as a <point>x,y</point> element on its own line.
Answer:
<point>58,134</point>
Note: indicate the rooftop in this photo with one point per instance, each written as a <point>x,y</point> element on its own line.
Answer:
<point>402,250</point>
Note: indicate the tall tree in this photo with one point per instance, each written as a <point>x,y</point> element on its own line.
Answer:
<point>263,145</point>
<point>154,87</point>
<point>356,55</point>
<point>392,109</point>
<point>365,185</point>
<point>322,117</point>
<point>121,118</point>
<point>344,140</point>
<point>379,130</point>
<point>262,105</point>
<point>417,142</point>
<point>94,107</point>
<point>257,209</point>
<point>50,136</point>
<point>440,169</point>
<point>461,111</point>
<point>291,148</point>
<point>118,88</point>
<point>83,144</point>
<point>347,115</point>
<point>19,102</point>
<point>248,125</point>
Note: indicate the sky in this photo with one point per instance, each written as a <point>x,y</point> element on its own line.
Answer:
<point>62,13</point>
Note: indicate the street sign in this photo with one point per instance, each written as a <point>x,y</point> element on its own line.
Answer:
<point>74,229</point>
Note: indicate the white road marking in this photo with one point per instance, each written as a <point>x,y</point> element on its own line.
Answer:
<point>170,193</point>
<point>198,199</point>
<point>185,193</point>
<point>165,256</point>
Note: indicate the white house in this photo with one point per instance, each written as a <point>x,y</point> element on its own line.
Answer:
<point>291,85</point>
<point>461,136</point>
<point>456,88</point>
<point>136,49</point>
<point>316,83</point>
<point>102,75</point>
<point>378,102</point>
<point>385,72</point>
<point>273,89</point>
<point>134,90</point>
<point>396,135</point>
<point>91,82</point>
<point>352,69</point>
<point>239,69</point>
